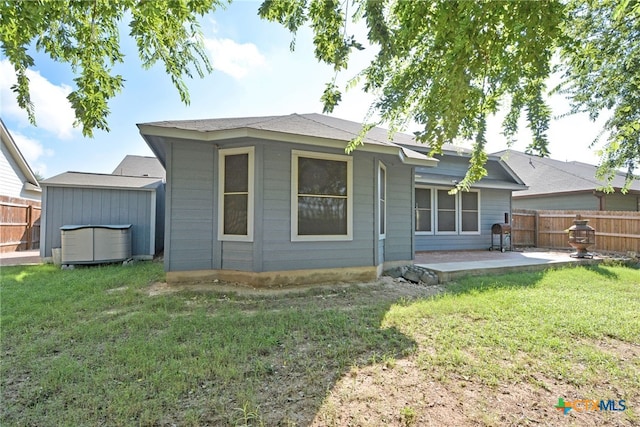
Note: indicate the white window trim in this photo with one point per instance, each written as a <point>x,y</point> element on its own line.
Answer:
<point>425,233</point>
<point>222,153</point>
<point>295,154</point>
<point>456,213</point>
<point>382,167</point>
<point>460,214</point>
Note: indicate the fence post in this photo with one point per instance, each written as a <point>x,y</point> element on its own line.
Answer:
<point>29,227</point>
<point>536,229</point>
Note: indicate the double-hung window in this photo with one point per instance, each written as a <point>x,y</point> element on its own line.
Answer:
<point>437,211</point>
<point>235,190</point>
<point>321,196</point>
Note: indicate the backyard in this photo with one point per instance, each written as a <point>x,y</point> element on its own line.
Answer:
<point>114,345</point>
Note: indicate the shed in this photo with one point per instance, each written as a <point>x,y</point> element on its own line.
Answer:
<point>77,198</point>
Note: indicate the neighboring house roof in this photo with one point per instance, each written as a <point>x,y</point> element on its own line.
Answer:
<point>30,180</point>
<point>140,166</point>
<point>546,176</point>
<point>315,129</point>
<point>96,180</point>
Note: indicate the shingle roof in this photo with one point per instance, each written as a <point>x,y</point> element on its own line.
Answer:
<point>312,124</point>
<point>140,166</point>
<point>97,180</point>
<point>546,176</point>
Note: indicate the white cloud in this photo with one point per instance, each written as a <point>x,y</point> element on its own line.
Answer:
<point>234,59</point>
<point>52,108</point>
<point>33,151</point>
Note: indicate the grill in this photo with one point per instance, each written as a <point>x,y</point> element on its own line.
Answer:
<point>501,232</point>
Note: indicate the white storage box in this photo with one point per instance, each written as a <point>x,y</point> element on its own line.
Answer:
<point>95,244</point>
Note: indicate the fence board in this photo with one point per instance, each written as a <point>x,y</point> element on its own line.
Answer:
<point>19,224</point>
<point>616,231</point>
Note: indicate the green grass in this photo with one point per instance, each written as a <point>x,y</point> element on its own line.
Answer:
<point>90,347</point>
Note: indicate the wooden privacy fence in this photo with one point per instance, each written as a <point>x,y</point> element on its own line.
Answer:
<point>616,231</point>
<point>19,224</point>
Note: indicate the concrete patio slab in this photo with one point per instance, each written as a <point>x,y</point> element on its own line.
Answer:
<point>449,265</point>
<point>20,258</point>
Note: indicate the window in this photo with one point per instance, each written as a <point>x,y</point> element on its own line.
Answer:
<point>423,210</point>
<point>451,214</point>
<point>469,212</point>
<point>382,197</point>
<point>235,201</point>
<point>446,212</point>
<point>321,199</point>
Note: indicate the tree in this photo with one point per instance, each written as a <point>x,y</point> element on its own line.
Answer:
<point>85,34</point>
<point>448,65</point>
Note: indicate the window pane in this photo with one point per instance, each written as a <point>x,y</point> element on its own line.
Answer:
<point>445,200</point>
<point>322,216</point>
<point>423,220</point>
<point>469,221</point>
<point>322,177</point>
<point>382,221</point>
<point>383,181</point>
<point>469,201</point>
<point>446,221</point>
<point>236,173</point>
<point>423,198</point>
<point>235,214</point>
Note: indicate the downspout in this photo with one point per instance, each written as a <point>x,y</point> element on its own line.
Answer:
<point>601,200</point>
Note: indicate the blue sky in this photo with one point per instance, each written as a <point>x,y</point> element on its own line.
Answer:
<point>255,74</point>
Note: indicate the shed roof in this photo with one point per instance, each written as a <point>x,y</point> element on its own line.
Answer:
<point>316,126</point>
<point>140,166</point>
<point>548,176</point>
<point>96,180</point>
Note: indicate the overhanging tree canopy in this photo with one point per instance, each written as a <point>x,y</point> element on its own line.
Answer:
<point>445,65</point>
<point>448,65</point>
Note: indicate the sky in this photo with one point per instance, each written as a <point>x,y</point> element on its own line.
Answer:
<point>255,74</point>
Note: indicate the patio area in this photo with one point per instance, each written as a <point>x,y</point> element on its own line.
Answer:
<point>452,264</point>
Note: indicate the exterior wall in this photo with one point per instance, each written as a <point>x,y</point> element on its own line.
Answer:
<point>190,214</point>
<point>12,179</point>
<point>622,202</point>
<point>585,201</point>
<point>493,205</point>
<point>191,241</point>
<point>78,206</point>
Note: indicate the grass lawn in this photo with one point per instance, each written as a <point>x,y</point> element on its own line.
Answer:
<point>91,346</point>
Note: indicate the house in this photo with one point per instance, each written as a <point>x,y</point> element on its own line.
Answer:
<point>19,198</point>
<point>140,166</point>
<point>78,198</point>
<point>558,185</point>
<point>275,200</point>
<point>17,180</point>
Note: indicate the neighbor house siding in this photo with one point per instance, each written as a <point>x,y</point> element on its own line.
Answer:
<point>191,213</point>
<point>83,206</point>
<point>585,201</point>
<point>12,179</point>
<point>493,205</point>
<point>621,202</point>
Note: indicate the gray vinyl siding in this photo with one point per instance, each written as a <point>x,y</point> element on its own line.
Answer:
<point>398,242</point>
<point>191,212</point>
<point>493,205</point>
<point>80,206</point>
<point>280,253</point>
<point>192,174</point>
<point>585,201</point>
<point>621,202</point>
